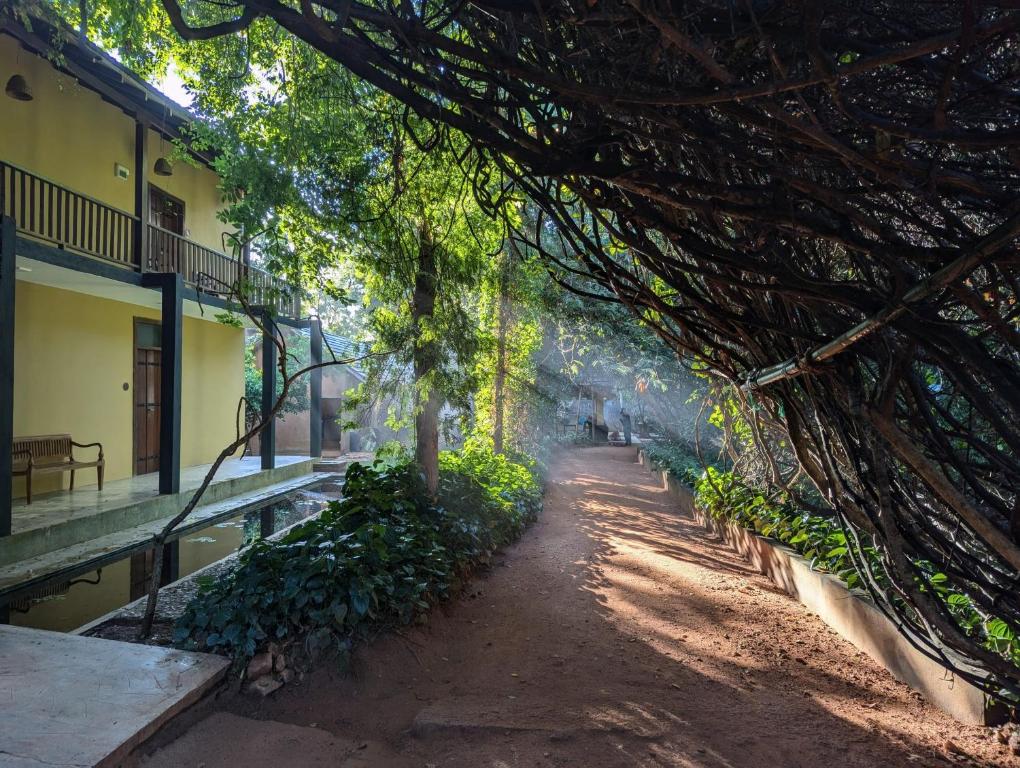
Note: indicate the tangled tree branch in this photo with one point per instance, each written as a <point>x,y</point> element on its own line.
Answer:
<point>755,179</point>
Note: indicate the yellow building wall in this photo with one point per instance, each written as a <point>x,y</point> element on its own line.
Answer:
<point>212,384</point>
<point>73,355</point>
<point>69,135</point>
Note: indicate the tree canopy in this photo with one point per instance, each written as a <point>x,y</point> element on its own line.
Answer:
<point>816,201</point>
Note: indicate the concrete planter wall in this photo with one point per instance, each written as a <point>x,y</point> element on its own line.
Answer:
<point>851,614</point>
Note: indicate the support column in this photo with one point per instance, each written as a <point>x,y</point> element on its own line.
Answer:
<point>315,389</point>
<point>140,241</point>
<point>171,562</point>
<point>267,440</point>
<point>170,397</point>
<point>8,233</point>
<point>171,286</point>
<point>267,522</point>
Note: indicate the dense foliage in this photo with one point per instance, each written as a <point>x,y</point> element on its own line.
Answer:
<point>679,458</point>
<point>381,555</point>
<point>816,200</point>
<point>298,397</point>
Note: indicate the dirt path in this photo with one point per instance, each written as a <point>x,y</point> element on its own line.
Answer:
<point>614,634</point>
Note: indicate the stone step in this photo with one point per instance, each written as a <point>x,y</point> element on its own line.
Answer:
<point>225,740</point>
<point>81,701</point>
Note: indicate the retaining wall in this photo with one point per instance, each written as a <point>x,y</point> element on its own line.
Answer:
<point>850,613</point>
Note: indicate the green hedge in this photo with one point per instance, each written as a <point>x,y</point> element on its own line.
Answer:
<point>382,555</point>
<point>680,459</point>
<point>820,539</point>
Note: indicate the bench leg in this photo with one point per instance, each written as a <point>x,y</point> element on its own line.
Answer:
<point>99,473</point>
<point>28,488</point>
<point>71,486</point>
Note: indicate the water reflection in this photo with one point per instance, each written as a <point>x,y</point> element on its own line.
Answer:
<point>70,605</point>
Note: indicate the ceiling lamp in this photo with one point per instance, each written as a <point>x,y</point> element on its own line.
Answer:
<point>163,167</point>
<point>17,88</point>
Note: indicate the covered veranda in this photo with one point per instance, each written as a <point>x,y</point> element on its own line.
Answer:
<point>60,518</point>
<point>77,370</point>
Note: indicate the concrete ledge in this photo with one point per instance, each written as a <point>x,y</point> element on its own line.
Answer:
<point>852,614</point>
<point>36,541</point>
<point>26,576</point>
<point>81,701</point>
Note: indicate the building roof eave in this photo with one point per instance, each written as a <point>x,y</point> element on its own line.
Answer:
<point>98,71</point>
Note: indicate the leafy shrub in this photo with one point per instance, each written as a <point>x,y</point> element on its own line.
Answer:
<point>819,539</point>
<point>679,458</point>
<point>822,541</point>
<point>510,493</point>
<point>381,555</point>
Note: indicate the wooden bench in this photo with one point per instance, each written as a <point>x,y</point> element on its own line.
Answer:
<point>46,454</point>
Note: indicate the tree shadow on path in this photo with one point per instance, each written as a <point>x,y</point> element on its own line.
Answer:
<point>617,633</point>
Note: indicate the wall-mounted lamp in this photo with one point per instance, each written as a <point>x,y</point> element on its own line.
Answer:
<point>163,167</point>
<point>17,88</point>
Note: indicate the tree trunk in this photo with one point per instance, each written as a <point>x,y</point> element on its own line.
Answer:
<point>426,448</point>
<point>499,385</point>
<point>426,352</point>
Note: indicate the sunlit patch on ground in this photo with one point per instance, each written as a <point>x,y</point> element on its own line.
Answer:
<point>616,634</point>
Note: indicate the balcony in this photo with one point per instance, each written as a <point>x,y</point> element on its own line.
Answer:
<point>75,222</point>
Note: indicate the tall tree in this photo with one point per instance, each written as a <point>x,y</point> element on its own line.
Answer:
<point>332,172</point>
<point>503,311</point>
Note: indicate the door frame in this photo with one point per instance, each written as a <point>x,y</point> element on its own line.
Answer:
<point>135,322</point>
<point>155,190</point>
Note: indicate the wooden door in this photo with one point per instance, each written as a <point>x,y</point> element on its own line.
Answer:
<point>166,211</point>
<point>147,398</point>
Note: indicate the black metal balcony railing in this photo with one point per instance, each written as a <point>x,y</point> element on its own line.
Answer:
<point>72,221</point>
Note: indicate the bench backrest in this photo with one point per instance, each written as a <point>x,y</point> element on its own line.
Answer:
<point>44,446</point>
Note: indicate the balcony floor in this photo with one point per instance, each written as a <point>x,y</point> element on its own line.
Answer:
<point>62,519</point>
<point>62,506</point>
